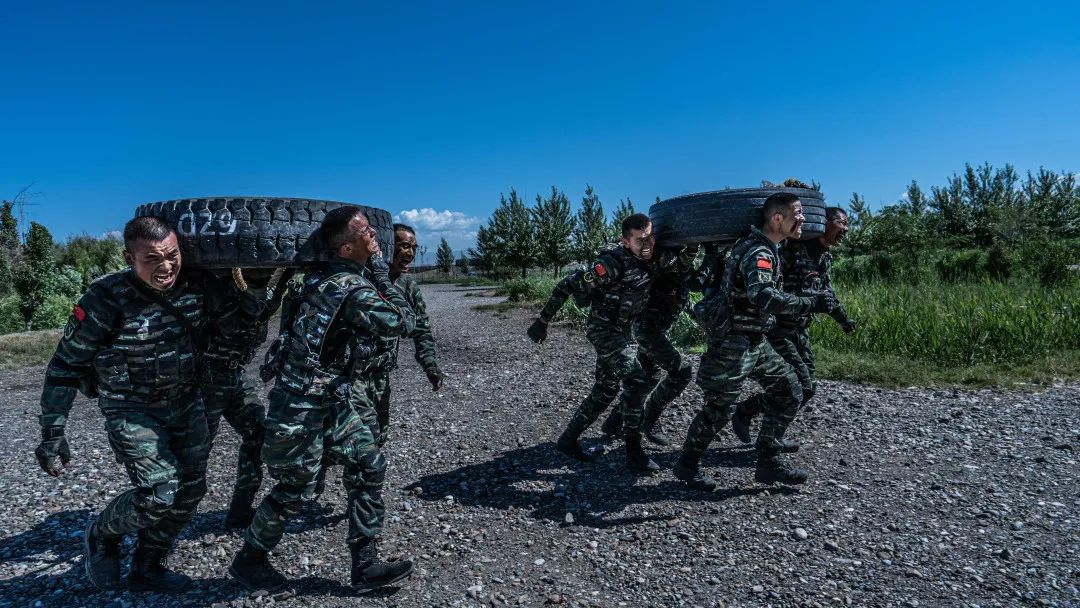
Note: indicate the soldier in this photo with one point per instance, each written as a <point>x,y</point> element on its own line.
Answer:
<point>385,360</point>
<point>237,327</point>
<point>668,298</point>
<point>806,272</point>
<point>330,326</point>
<point>616,288</point>
<point>372,379</point>
<point>737,314</point>
<point>133,341</point>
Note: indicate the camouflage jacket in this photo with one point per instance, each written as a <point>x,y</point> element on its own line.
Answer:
<point>123,345</point>
<point>670,293</point>
<point>339,316</point>
<point>237,320</point>
<point>806,273</point>
<point>616,285</point>
<point>752,286</point>
<point>386,350</point>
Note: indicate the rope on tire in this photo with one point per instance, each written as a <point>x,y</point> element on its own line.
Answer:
<point>238,278</point>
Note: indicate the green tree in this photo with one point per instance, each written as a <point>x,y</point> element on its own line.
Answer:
<point>463,264</point>
<point>553,226</point>
<point>444,256</point>
<point>512,225</point>
<point>590,229</point>
<point>623,211</point>
<point>92,257</point>
<point>486,253</point>
<point>32,274</point>
<point>9,227</point>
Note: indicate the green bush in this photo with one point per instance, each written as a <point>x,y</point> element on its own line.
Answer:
<point>11,319</point>
<point>531,289</point>
<point>54,312</point>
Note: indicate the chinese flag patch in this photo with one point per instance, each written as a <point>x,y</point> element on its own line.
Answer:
<point>764,264</point>
<point>600,270</point>
<point>78,312</point>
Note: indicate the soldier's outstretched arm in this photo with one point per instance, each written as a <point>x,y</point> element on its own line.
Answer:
<point>757,272</point>
<point>423,340</point>
<point>838,313</point>
<point>90,328</point>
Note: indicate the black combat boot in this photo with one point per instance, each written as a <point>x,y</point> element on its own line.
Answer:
<point>688,470</point>
<point>568,444</point>
<point>789,446</point>
<point>612,426</point>
<point>370,573</point>
<point>101,557</point>
<point>636,458</point>
<point>649,427</point>
<point>772,469</point>
<point>252,569</point>
<point>745,411</point>
<point>148,572</point>
<point>241,511</point>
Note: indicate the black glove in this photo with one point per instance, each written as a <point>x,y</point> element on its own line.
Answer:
<point>380,269</point>
<point>53,453</point>
<point>538,331</point>
<point>848,326</point>
<point>824,301</point>
<point>435,377</point>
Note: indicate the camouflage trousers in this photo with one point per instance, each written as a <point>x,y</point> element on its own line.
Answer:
<point>617,365</point>
<point>300,430</point>
<point>164,450</point>
<point>378,392</point>
<point>793,345</point>
<point>227,394</point>
<point>667,371</point>
<point>727,363</point>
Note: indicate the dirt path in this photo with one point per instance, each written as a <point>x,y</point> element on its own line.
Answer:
<point>916,497</point>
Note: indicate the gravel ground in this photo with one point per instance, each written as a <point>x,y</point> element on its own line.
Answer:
<point>916,498</point>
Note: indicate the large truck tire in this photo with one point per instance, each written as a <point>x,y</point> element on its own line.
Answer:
<point>727,215</point>
<point>256,232</point>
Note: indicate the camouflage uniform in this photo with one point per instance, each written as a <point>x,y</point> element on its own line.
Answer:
<point>806,266</point>
<point>616,289</point>
<point>376,376</point>
<point>749,295</point>
<point>332,329</point>
<point>140,360</point>
<point>668,298</point>
<point>237,327</point>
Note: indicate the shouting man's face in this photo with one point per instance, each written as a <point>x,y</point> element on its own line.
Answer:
<point>156,263</point>
<point>404,251</point>
<point>640,243</point>
<point>835,229</point>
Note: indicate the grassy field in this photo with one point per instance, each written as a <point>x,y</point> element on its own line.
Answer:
<point>27,348</point>
<point>985,334</point>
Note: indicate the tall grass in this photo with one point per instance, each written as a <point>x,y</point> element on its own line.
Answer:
<point>957,323</point>
<point>936,322</point>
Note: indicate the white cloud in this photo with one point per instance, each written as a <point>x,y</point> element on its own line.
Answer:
<point>431,226</point>
<point>437,221</point>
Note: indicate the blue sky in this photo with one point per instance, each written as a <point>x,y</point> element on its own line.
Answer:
<point>431,110</point>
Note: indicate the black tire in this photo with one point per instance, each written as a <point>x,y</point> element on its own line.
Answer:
<point>726,215</point>
<point>256,232</point>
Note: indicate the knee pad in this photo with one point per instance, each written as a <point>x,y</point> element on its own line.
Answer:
<point>373,464</point>
<point>685,371</point>
<point>158,499</point>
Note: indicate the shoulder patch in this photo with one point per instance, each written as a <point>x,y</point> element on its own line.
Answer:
<point>78,312</point>
<point>764,263</point>
<point>600,270</point>
<point>588,277</point>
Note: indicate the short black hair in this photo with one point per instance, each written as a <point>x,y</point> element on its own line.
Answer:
<point>145,228</point>
<point>638,221</point>
<point>335,228</point>
<point>831,213</point>
<point>777,203</point>
<point>405,227</point>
